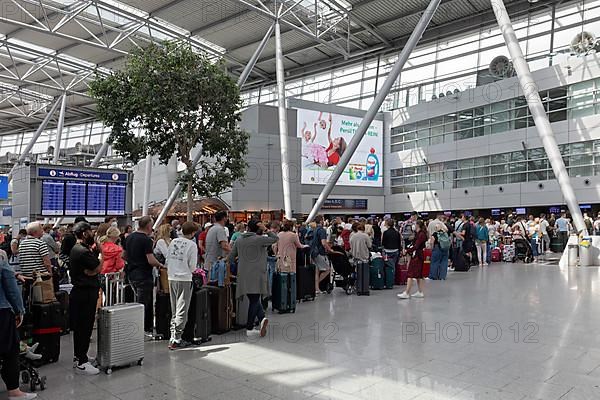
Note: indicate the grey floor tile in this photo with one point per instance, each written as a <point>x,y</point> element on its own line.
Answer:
<point>370,355</point>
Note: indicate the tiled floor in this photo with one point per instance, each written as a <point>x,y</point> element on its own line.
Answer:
<point>505,332</point>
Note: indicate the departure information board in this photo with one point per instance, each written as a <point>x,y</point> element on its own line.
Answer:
<point>75,198</point>
<point>116,199</point>
<point>96,198</point>
<point>75,192</point>
<point>53,197</point>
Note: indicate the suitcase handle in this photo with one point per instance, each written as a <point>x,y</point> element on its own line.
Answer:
<point>114,281</point>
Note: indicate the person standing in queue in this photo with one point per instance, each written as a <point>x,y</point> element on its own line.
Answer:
<point>11,317</point>
<point>250,250</point>
<point>84,271</point>
<point>415,267</point>
<point>139,253</point>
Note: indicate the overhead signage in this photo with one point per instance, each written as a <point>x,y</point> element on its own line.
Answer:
<point>59,173</point>
<point>344,204</point>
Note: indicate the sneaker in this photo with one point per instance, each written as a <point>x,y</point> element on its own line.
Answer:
<point>485,264</point>
<point>182,344</point>
<point>419,295</point>
<point>87,369</point>
<point>252,333</point>
<point>264,324</point>
<point>23,396</point>
<point>30,353</point>
<point>148,336</point>
<point>403,295</point>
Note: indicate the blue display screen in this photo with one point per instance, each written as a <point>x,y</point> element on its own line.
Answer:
<point>53,197</point>
<point>96,198</point>
<point>116,199</point>
<point>75,198</point>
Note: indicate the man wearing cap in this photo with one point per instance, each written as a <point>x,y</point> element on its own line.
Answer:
<point>84,270</point>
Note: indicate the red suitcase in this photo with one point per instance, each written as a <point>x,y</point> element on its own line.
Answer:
<point>401,275</point>
<point>427,262</point>
<point>496,254</point>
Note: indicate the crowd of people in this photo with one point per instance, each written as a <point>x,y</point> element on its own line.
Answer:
<point>81,255</point>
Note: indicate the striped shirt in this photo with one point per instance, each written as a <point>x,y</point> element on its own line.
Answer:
<point>31,253</point>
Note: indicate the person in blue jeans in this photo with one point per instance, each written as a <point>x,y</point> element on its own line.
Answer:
<point>439,253</point>
<point>11,317</point>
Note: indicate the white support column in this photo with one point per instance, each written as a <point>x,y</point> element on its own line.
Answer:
<point>35,137</point>
<point>531,93</point>
<point>283,125</point>
<point>252,62</point>
<point>59,129</point>
<point>100,154</point>
<point>374,109</point>
<point>147,183</point>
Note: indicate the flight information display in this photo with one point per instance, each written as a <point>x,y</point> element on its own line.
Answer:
<point>116,199</point>
<point>75,198</point>
<point>96,198</point>
<point>53,197</point>
<point>78,192</point>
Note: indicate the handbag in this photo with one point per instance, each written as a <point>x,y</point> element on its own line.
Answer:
<point>284,264</point>
<point>43,289</point>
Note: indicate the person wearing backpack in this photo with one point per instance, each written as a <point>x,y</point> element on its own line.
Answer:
<point>440,241</point>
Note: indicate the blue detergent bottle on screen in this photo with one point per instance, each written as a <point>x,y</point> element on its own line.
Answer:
<point>372,166</point>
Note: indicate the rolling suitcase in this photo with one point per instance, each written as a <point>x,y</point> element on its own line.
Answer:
<point>459,261</point>
<point>496,254</point>
<point>46,327</point>
<point>426,262</point>
<point>389,272</point>
<point>120,329</point>
<point>220,300</point>
<point>49,315</point>
<point>376,272</point>
<point>162,314</point>
<point>240,309</point>
<point>305,276</point>
<point>362,278</point>
<point>197,328</point>
<point>284,292</point>
<point>63,298</point>
<point>401,275</point>
<point>49,344</point>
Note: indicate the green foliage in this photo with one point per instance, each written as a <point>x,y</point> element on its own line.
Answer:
<point>179,99</point>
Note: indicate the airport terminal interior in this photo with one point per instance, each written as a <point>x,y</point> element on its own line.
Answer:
<point>299,199</point>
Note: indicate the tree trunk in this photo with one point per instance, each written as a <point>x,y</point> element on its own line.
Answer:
<point>190,201</point>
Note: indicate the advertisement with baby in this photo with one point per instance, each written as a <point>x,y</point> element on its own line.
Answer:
<point>325,137</point>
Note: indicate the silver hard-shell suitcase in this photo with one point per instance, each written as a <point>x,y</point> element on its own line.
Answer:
<point>120,329</point>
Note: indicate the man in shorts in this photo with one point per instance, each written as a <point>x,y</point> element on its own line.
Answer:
<point>319,248</point>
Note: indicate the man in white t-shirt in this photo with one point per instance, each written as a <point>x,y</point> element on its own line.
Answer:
<point>181,261</point>
<point>544,224</point>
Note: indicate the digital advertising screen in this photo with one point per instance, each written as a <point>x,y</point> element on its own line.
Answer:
<point>325,138</point>
<point>53,197</point>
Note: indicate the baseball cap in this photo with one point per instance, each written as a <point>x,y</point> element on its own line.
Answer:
<point>207,225</point>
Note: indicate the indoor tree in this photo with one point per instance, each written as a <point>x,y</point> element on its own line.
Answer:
<point>180,100</point>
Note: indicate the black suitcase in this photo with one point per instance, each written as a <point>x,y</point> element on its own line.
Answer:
<point>305,276</point>
<point>459,261</point>
<point>162,313</point>
<point>63,298</point>
<point>363,271</point>
<point>49,344</point>
<point>47,315</point>
<point>220,300</point>
<point>197,328</point>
